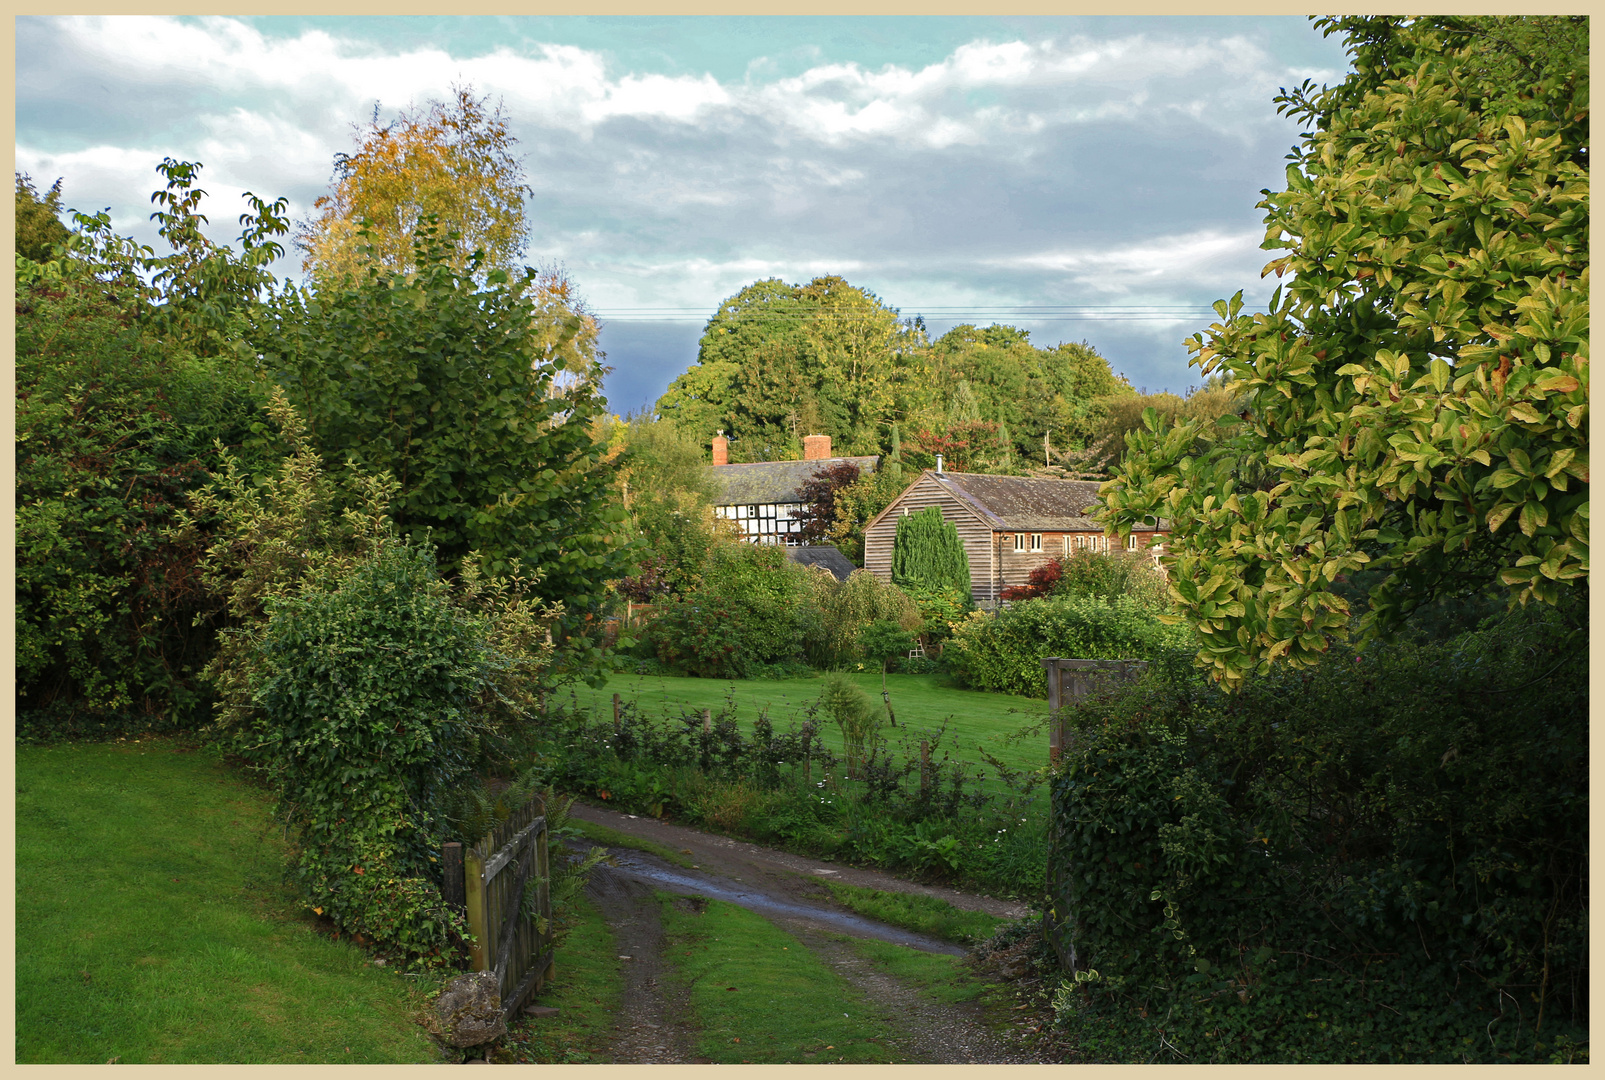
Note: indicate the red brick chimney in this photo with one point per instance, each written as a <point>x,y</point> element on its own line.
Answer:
<point>721,449</point>
<point>816,447</point>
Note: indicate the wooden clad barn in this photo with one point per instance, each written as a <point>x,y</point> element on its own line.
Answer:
<point>1009,525</point>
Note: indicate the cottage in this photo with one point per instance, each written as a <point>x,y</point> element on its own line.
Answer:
<point>761,496</point>
<point>1009,525</point>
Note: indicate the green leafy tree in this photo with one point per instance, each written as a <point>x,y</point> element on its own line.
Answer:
<point>668,495</point>
<point>1417,393</point>
<point>39,226</point>
<point>453,162</point>
<point>127,381</point>
<point>927,552</point>
<point>780,361</point>
<point>459,394</point>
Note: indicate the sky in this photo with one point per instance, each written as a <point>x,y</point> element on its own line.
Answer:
<point>1084,178</point>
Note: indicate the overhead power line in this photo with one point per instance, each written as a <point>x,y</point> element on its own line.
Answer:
<point>1042,313</point>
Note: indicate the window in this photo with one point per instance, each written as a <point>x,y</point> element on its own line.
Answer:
<point>1131,542</point>
<point>1036,541</point>
<point>1067,543</point>
<point>1019,541</point>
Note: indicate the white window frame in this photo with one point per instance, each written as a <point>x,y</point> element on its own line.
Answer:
<point>1131,542</point>
<point>1019,542</point>
<point>1036,541</point>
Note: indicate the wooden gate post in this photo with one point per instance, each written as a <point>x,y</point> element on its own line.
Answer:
<point>451,861</point>
<point>482,948</point>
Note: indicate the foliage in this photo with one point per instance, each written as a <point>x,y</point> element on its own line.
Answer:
<point>1039,582</point>
<point>940,609</point>
<point>1004,652</point>
<point>855,714</point>
<point>1033,396</point>
<point>368,692</point>
<point>453,391</point>
<point>748,612</point>
<point>1380,858</point>
<point>1417,393</point>
<point>39,227</point>
<point>1104,575</point>
<point>780,361</point>
<point>848,608</point>
<point>951,820</point>
<point>668,497</point>
<point>451,161</point>
<point>123,396</point>
<point>927,552</point>
<point>885,640</point>
<point>817,520</point>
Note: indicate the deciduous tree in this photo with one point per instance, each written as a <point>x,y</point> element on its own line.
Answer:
<point>1417,393</point>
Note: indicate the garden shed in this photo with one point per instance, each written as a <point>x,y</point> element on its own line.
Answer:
<point>1010,525</point>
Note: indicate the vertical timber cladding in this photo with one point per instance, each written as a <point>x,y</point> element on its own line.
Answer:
<point>974,533</point>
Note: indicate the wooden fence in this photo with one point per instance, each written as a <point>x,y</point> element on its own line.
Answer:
<point>487,882</point>
<point>1071,680</point>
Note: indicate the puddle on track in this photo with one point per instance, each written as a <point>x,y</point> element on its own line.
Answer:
<point>718,888</point>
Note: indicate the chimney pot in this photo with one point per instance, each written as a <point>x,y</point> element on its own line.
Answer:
<point>721,450</point>
<point>816,447</point>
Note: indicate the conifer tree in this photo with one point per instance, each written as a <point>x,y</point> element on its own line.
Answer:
<point>927,552</point>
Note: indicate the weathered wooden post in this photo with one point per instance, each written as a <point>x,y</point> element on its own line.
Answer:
<point>482,948</point>
<point>615,716</point>
<point>451,862</point>
<point>1055,724</point>
<point>925,765</point>
<point>707,721</point>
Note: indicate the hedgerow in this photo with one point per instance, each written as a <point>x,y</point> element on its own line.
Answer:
<point>1379,859</point>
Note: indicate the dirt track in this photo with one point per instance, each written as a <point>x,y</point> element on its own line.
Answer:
<point>786,889</point>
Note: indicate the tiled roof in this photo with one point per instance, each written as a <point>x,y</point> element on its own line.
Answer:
<point>1026,504</point>
<point>822,555</point>
<point>772,481</point>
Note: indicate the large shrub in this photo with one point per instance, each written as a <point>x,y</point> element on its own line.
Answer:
<point>848,608</point>
<point>117,426</point>
<point>749,612</point>
<point>368,692</point>
<point>1004,652</point>
<point>1380,859</point>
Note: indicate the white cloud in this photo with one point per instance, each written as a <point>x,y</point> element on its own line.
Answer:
<point>1153,267</point>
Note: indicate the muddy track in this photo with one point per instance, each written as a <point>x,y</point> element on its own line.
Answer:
<point>785,889</point>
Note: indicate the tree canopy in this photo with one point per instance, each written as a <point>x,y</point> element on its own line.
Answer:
<point>1416,395</point>
<point>453,161</point>
<point>780,361</point>
<point>38,219</point>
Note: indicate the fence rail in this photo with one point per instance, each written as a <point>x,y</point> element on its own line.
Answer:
<point>494,873</point>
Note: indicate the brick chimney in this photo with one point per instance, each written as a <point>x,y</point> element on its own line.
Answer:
<point>721,449</point>
<point>816,447</point>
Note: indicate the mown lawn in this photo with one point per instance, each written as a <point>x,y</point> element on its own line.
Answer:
<point>153,925</point>
<point>921,702</point>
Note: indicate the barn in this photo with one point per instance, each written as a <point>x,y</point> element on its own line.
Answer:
<point>1010,525</point>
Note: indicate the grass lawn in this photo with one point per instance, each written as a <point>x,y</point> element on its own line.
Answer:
<point>759,995</point>
<point>153,925</point>
<point>921,702</point>
<point>917,912</point>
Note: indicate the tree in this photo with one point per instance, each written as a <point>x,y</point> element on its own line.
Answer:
<point>819,493</point>
<point>456,392</point>
<point>452,161</point>
<point>39,224</point>
<point>780,361</point>
<point>1417,392</point>
<point>667,496</point>
<point>927,552</point>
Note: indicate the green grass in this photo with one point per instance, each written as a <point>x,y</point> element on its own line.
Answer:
<point>153,924</point>
<point>922,914</point>
<point>612,838</point>
<point>973,717</point>
<point>759,995</point>
<point>944,978</point>
<point>587,992</point>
